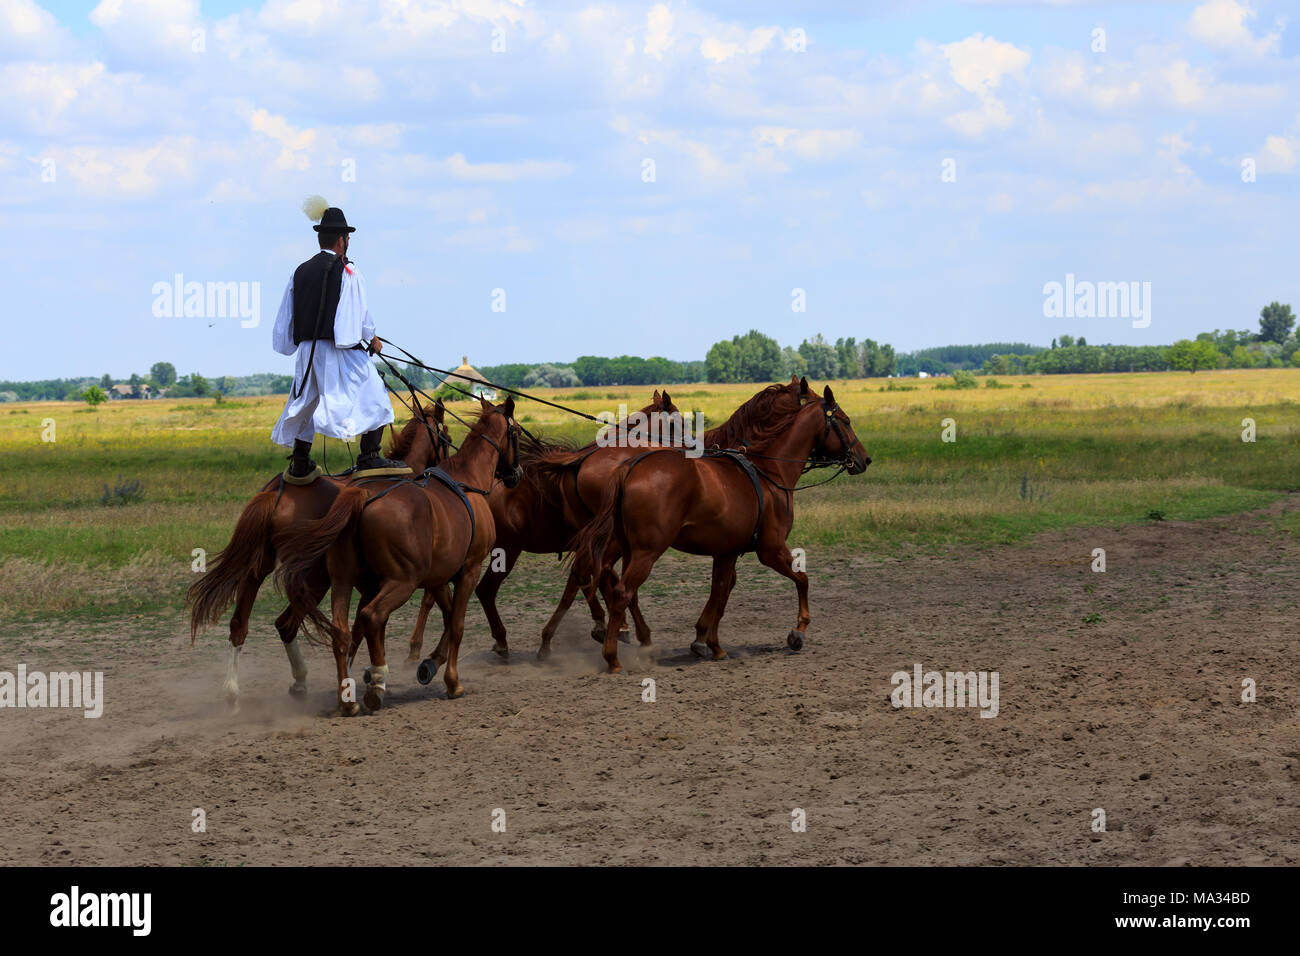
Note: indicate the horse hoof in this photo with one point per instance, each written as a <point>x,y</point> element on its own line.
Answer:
<point>426,672</point>
<point>297,689</point>
<point>598,633</point>
<point>700,649</point>
<point>794,640</point>
<point>349,710</point>
<point>365,676</point>
<point>502,649</point>
<point>374,699</point>
<point>544,652</point>
<point>624,636</point>
<point>412,658</point>
<point>456,691</point>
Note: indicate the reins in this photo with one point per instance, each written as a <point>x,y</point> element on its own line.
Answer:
<point>809,464</point>
<point>412,360</point>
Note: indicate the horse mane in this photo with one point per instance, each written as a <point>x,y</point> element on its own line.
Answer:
<point>532,448</point>
<point>403,440</point>
<point>758,420</point>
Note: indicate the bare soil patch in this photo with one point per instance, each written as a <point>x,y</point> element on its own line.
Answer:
<point>1138,713</point>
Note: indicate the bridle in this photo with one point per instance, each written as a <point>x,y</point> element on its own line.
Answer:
<point>514,474</point>
<point>833,425</point>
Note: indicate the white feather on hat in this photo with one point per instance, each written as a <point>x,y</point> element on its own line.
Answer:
<point>314,207</point>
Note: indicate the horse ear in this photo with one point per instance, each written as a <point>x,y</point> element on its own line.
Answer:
<point>439,411</point>
<point>483,402</point>
<point>829,395</point>
<point>656,399</point>
<point>509,407</point>
<point>803,386</point>
<point>668,402</point>
<point>794,378</point>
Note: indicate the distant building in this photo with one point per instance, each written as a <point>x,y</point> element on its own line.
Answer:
<point>467,377</point>
<point>129,391</point>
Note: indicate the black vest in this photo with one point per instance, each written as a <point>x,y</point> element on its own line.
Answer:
<point>316,285</point>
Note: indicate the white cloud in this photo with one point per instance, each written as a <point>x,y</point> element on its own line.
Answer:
<point>1222,24</point>
<point>658,31</point>
<point>295,142</point>
<point>991,115</point>
<point>149,26</point>
<point>117,171</point>
<point>28,30</point>
<point>978,63</point>
<point>1279,154</point>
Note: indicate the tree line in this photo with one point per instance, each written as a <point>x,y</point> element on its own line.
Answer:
<point>1275,345</point>
<point>755,357</point>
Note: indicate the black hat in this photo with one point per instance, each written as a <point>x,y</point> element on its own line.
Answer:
<point>334,221</point>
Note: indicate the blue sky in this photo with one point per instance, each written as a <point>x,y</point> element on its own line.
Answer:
<point>795,146</point>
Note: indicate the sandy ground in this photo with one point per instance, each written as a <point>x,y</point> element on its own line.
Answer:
<point>1138,713</point>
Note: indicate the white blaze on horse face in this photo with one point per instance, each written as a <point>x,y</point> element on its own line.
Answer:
<point>297,663</point>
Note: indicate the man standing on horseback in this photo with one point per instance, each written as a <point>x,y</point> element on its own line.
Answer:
<point>324,317</point>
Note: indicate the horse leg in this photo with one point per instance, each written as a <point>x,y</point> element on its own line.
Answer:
<point>635,570</point>
<point>373,619</point>
<point>439,655</point>
<point>706,628</point>
<point>464,588</point>
<point>247,593</point>
<point>566,600</point>
<point>589,590</point>
<point>642,628</point>
<point>286,625</point>
<point>427,602</point>
<point>779,559</point>
<point>487,590</point>
<point>341,598</point>
<point>624,634</point>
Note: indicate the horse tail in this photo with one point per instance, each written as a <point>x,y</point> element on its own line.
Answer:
<point>248,555</point>
<point>591,543</point>
<point>302,550</point>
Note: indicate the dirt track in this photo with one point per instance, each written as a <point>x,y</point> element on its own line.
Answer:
<point>1139,714</point>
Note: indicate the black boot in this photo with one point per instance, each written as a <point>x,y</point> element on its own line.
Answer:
<point>300,463</point>
<point>370,459</point>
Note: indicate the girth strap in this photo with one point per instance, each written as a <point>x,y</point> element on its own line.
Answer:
<point>748,468</point>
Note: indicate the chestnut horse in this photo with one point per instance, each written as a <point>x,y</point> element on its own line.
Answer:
<point>416,535</point>
<point>237,572</point>
<point>712,506</point>
<point>541,515</point>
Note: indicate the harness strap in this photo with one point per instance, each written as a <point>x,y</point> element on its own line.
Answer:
<point>748,468</point>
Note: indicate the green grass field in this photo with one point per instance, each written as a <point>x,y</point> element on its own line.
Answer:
<point>1046,452</point>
